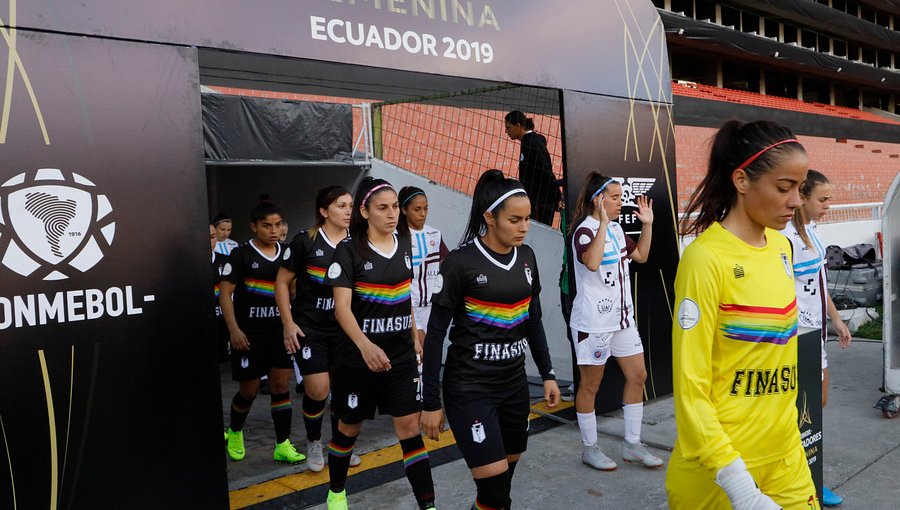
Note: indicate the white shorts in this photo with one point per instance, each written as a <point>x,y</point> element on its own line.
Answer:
<point>596,348</point>
<point>422,314</point>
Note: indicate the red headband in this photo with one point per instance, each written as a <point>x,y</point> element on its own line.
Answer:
<point>752,158</point>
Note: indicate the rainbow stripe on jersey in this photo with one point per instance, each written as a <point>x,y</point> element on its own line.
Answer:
<point>217,289</point>
<point>382,293</point>
<point>316,274</point>
<point>260,287</point>
<point>759,324</point>
<point>499,315</point>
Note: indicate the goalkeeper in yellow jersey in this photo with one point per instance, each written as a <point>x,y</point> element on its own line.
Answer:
<point>735,334</point>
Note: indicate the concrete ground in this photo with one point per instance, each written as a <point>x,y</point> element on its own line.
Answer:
<point>861,450</point>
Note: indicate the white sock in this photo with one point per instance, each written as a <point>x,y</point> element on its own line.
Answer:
<point>634,413</point>
<point>587,423</point>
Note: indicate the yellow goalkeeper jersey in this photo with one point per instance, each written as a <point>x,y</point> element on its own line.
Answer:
<point>734,345</point>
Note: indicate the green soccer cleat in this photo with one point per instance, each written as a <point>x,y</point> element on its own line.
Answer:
<point>235,446</point>
<point>337,500</point>
<point>286,453</point>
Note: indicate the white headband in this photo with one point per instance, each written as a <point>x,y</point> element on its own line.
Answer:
<point>504,197</point>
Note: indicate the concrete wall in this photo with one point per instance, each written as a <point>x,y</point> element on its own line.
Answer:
<point>449,212</point>
<point>849,233</point>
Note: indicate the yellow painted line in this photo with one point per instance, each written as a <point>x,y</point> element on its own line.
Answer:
<point>257,494</point>
<point>298,482</point>
<point>542,407</point>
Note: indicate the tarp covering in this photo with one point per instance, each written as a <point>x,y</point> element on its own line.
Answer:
<point>832,21</point>
<point>239,128</point>
<point>689,32</point>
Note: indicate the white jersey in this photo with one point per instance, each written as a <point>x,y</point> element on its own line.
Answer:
<point>427,251</point>
<point>809,275</point>
<point>603,300</point>
<point>225,247</point>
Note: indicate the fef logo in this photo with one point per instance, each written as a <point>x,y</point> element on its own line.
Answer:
<point>632,188</point>
<point>52,223</point>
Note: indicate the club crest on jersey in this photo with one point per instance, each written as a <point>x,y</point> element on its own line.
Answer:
<point>287,254</point>
<point>352,401</point>
<point>245,362</point>
<point>367,266</point>
<point>320,253</point>
<point>226,269</point>
<point>528,274</point>
<point>307,352</point>
<point>788,270</point>
<point>481,279</point>
<point>408,262</point>
<point>478,434</point>
<point>605,305</point>
<point>255,265</point>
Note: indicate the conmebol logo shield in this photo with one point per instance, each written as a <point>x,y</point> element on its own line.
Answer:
<point>51,223</point>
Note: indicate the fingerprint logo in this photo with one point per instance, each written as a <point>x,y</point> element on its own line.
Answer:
<point>52,223</point>
<point>54,212</point>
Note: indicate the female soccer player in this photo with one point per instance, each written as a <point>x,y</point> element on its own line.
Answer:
<point>489,287</point>
<point>813,299</point>
<point>535,167</point>
<point>428,250</point>
<point>309,326</point>
<point>255,331</point>
<point>734,340</point>
<point>222,224</point>
<point>375,357</point>
<point>603,313</point>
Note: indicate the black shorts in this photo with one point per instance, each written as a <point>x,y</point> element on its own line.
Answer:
<point>356,392</point>
<point>266,352</point>
<point>316,353</point>
<point>488,426</point>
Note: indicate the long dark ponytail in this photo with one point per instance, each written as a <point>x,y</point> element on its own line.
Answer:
<point>518,117</point>
<point>584,206</point>
<point>359,226</point>
<point>757,147</point>
<point>490,187</point>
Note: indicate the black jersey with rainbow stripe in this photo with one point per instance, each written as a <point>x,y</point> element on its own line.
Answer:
<point>490,295</point>
<point>308,259</point>
<point>381,299</point>
<point>253,274</point>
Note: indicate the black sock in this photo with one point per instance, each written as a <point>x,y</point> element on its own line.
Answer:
<point>339,450</point>
<point>418,470</point>
<point>312,417</point>
<point>493,492</point>
<point>240,408</point>
<point>281,416</point>
<point>511,472</point>
<point>334,424</point>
